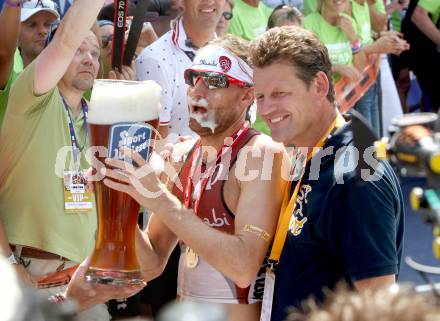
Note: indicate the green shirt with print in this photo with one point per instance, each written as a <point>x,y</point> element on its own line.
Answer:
<point>334,38</point>
<point>4,93</point>
<point>249,22</point>
<point>433,7</point>
<point>34,139</point>
<point>361,15</point>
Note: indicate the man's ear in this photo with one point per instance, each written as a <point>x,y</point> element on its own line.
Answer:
<point>248,97</point>
<point>321,84</point>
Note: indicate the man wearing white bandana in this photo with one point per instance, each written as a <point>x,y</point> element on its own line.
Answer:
<point>222,207</point>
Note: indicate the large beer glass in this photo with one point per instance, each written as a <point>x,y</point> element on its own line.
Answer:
<point>121,113</point>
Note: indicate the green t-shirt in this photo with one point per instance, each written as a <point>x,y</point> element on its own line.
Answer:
<point>310,6</point>
<point>35,130</point>
<point>4,93</point>
<point>433,7</point>
<point>361,15</point>
<point>396,21</point>
<point>336,41</point>
<point>249,22</point>
<point>379,5</point>
<point>261,126</point>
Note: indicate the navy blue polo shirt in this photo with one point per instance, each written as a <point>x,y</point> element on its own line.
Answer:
<point>341,228</point>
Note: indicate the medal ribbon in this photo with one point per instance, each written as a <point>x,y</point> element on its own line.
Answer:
<point>235,137</point>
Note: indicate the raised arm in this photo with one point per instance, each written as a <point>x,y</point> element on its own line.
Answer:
<point>9,20</point>
<point>53,62</point>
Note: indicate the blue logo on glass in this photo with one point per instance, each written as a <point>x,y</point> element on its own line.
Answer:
<point>132,135</point>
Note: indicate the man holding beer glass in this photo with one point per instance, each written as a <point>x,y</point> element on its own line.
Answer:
<point>224,218</point>
<point>49,217</point>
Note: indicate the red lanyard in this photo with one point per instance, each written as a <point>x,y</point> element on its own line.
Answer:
<point>230,142</point>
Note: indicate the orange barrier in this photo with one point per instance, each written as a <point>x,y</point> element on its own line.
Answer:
<point>348,92</point>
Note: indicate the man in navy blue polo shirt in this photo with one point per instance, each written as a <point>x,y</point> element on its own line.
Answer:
<point>332,226</point>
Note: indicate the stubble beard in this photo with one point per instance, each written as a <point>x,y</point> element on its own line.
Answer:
<point>82,84</point>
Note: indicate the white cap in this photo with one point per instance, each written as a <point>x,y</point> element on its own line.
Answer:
<point>31,7</point>
<point>215,58</point>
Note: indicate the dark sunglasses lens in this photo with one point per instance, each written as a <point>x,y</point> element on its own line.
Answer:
<point>217,81</point>
<point>191,77</point>
<point>211,80</point>
<point>227,15</point>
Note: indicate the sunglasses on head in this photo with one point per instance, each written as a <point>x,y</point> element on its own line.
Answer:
<point>212,80</point>
<point>227,15</point>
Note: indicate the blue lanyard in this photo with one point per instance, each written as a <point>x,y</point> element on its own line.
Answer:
<point>77,149</point>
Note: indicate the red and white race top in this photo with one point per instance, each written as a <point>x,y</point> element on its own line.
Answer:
<point>203,282</point>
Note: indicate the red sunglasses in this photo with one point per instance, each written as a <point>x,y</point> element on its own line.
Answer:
<point>213,80</point>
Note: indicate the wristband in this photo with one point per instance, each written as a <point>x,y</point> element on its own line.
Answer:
<point>355,46</point>
<point>13,4</point>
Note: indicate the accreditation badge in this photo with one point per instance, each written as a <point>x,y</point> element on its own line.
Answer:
<point>77,194</point>
<point>191,258</point>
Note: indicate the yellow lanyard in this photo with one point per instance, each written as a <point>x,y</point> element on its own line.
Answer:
<point>289,206</point>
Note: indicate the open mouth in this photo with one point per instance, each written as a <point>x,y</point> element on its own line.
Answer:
<point>199,110</point>
<point>198,106</point>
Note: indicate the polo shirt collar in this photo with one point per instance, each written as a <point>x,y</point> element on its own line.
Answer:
<point>341,137</point>
<point>180,38</point>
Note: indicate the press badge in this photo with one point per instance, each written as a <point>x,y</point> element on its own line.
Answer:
<point>269,285</point>
<point>77,194</point>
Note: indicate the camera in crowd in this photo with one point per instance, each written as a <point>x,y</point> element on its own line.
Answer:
<point>156,8</point>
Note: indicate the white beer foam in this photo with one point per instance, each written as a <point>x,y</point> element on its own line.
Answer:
<point>124,101</point>
<point>206,119</point>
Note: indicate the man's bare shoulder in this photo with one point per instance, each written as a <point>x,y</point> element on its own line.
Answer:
<point>265,143</point>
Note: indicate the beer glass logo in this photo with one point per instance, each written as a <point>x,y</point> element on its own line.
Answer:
<point>134,136</point>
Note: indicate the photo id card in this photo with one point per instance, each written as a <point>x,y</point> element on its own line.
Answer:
<point>77,193</point>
